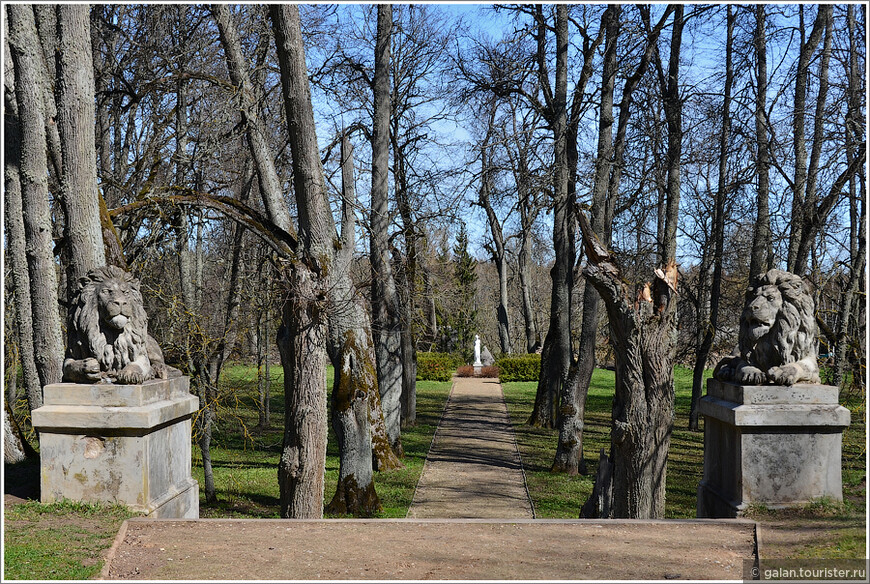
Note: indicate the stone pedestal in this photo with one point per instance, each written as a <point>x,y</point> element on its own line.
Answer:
<point>127,444</point>
<point>773,445</point>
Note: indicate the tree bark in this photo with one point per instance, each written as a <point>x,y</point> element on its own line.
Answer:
<point>857,213</point>
<point>304,328</point>
<point>527,218</point>
<point>644,341</point>
<point>674,115</point>
<point>499,256</point>
<point>385,314</point>
<point>16,252</point>
<point>15,447</point>
<point>76,122</point>
<point>760,260</point>
<point>47,344</point>
<point>718,231</point>
<point>569,447</point>
<point>264,380</point>
<point>300,340</point>
<point>406,275</point>
<point>352,355</point>
<point>556,355</point>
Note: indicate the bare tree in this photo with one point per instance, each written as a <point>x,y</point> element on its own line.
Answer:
<point>608,173</point>
<point>497,249</point>
<point>385,310</point>
<point>350,349</point>
<point>718,229</point>
<point>26,56</point>
<point>556,353</point>
<point>857,213</point>
<point>303,335</point>
<point>762,250</point>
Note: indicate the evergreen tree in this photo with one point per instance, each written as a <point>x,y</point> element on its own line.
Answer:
<point>464,266</point>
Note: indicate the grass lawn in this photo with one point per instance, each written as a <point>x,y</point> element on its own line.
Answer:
<point>245,457</point>
<point>66,540</point>
<point>61,541</point>
<point>840,528</point>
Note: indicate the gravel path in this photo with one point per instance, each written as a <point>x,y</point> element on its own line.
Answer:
<point>473,469</point>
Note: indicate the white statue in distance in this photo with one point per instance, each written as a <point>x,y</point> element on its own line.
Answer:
<point>477,362</point>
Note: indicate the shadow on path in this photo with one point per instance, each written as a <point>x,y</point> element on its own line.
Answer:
<point>473,469</point>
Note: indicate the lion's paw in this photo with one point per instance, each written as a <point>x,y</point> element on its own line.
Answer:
<point>783,375</point>
<point>749,375</point>
<point>131,374</point>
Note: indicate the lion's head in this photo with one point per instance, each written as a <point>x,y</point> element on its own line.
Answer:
<point>778,326</point>
<point>108,322</point>
<point>777,334</point>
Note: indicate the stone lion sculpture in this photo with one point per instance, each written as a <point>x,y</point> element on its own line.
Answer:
<point>107,332</point>
<point>777,343</point>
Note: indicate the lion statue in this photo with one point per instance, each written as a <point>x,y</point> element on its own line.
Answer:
<point>107,333</point>
<point>777,342</point>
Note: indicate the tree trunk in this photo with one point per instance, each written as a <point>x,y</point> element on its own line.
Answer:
<point>533,338</point>
<point>807,48</point>
<point>47,344</point>
<point>300,340</point>
<point>760,260</point>
<point>385,314</point>
<point>644,341</point>
<point>718,232</point>
<point>498,249</point>
<point>15,447</point>
<point>270,184</point>
<point>76,122</point>
<point>674,115</point>
<point>569,448</point>
<point>858,221</point>
<point>407,284</point>
<point>16,252</point>
<point>304,329</point>
<point>813,215</point>
<point>556,356</point>
<point>264,381</point>
<point>350,349</point>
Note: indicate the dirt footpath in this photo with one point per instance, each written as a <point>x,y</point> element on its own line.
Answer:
<point>473,469</point>
<point>413,549</point>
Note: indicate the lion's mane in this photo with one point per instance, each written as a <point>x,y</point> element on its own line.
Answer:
<point>91,336</point>
<point>793,334</point>
<point>786,352</point>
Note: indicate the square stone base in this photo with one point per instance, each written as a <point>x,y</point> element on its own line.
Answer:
<point>776,446</point>
<point>119,444</point>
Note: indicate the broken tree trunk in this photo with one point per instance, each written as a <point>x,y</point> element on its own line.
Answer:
<point>643,334</point>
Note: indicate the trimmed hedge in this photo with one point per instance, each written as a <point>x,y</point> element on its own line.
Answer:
<point>436,366</point>
<point>519,368</point>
